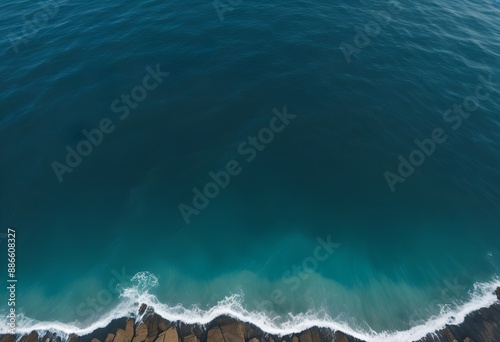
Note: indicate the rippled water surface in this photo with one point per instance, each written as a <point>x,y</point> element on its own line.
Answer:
<point>354,147</point>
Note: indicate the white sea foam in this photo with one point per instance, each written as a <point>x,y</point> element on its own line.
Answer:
<point>482,296</point>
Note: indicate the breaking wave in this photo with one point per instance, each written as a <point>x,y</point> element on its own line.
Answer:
<point>233,305</point>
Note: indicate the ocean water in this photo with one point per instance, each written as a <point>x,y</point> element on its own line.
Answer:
<point>290,164</point>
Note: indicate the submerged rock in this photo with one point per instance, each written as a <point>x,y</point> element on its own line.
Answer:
<point>142,309</point>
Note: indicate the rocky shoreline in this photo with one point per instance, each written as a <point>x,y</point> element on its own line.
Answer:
<point>480,326</point>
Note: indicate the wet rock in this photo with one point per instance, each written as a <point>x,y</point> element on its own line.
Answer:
<point>142,309</point>
<point>73,338</point>
<point>170,335</point>
<point>191,338</point>
<point>480,326</point>
<point>447,335</point>
<point>102,333</point>
<point>326,334</point>
<point>341,337</point>
<point>127,334</point>
<point>311,335</point>
<point>141,333</point>
<point>8,338</point>
<point>32,337</point>
<point>305,337</point>
<point>156,325</point>
<point>186,330</point>
<point>233,333</point>
<point>252,331</point>
<point>215,335</point>
<point>49,337</point>
<point>163,325</point>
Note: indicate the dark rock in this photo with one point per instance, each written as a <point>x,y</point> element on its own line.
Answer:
<point>155,324</point>
<point>447,335</point>
<point>163,325</point>
<point>8,338</point>
<point>102,334</point>
<point>191,338</point>
<point>127,334</point>
<point>341,337</point>
<point>49,337</point>
<point>254,331</point>
<point>479,326</point>
<point>497,292</point>
<point>74,338</point>
<point>142,309</point>
<point>32,337</point>
<point>186,330</point>
<point>224,320</point>
<point>310,335</point>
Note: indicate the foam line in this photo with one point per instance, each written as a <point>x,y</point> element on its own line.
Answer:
<point>482,296</point>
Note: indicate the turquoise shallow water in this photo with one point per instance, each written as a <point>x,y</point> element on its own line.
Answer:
<point>308,228</point>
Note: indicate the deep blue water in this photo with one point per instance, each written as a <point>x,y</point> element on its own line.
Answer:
<point>315,222</point>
